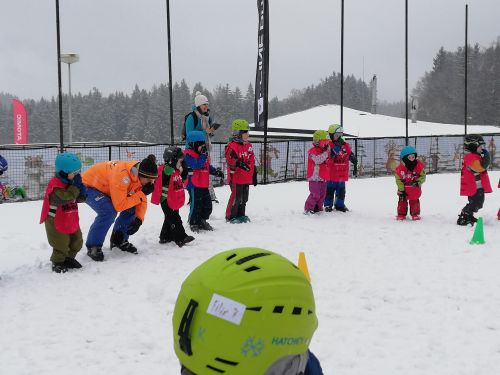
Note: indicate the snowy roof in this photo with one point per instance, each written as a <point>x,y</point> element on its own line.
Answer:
<point>365,125</point>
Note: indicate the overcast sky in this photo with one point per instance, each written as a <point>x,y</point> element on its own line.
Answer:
<point>123,42</point>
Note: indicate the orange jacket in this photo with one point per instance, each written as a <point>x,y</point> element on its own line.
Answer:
<point>118,180</point>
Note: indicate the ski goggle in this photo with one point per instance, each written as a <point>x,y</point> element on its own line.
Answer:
<point>289,365</point>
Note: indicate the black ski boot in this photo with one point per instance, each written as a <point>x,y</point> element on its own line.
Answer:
<point>328,208</point>
<point>95,253</point>
<point>341,208</point>
<point>184,241</point>
<point>205,225</point>
<point>72,263</point>
<point>118,241</point>
<point>466,218</point>
<point>59,267</point>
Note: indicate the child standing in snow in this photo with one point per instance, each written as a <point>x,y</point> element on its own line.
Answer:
<point>3,167</point>
<point>199,170</point>
<point>474,180</point>
<point>60,212</point>
<point>338,166</point>
<point>169,192</point>
<point>241,171</point>
<point>317,172</point>
<point>410,175</point>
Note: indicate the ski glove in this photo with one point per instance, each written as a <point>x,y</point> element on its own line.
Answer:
<point>148,188</point>
<point>254,179</point>
<point>415,184</point>
<point>134,226</point>
<point>219,173</point>
<point>241,164</point>
<point>203,149</point>
<point>402,195</point>
<point>77,181</point>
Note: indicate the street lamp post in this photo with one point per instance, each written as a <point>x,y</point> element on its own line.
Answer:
<point>69,58</point>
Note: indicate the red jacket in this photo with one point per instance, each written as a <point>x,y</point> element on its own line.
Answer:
<point>239,151</point>
<point>471,165</point>
<point>339,162</point>
<point>311,165</point>
<point>66,218</point>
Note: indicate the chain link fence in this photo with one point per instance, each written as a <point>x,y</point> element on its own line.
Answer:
<point>32,166</point>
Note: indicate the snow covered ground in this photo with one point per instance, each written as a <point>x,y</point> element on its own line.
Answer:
<point>392,297</point>
<point>365,125</point>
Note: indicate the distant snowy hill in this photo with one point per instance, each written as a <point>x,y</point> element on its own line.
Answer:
<point>365,125</point>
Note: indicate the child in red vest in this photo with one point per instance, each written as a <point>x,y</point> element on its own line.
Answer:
<point>410,175</point>
<point>241,171</point>
<point>474,180</point>
<point>338,166</point>
<point>199,171</point>
<point>317,172</point>
<point>169,192</point>
<point>60,212</point>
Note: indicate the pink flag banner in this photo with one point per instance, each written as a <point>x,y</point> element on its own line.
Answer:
<point>20,123</point>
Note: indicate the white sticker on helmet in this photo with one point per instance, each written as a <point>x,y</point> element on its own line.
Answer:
<point>227,309</point>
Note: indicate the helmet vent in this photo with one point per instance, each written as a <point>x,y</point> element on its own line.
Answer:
<point>250,257</point>
<point>257,308</point>
<point>226,362</point>
<point>230,256</point>
<point>216,369</point>
<point>278,309</point>
<point>309,312</point>
<point>297,310</point>
<point>253,268</point>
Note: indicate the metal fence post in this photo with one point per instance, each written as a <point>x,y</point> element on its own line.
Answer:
<point>286,165</point>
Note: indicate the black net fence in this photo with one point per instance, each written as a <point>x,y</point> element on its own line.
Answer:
<point>32,166</point>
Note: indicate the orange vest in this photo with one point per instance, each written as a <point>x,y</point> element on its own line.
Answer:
<point>119,181</point>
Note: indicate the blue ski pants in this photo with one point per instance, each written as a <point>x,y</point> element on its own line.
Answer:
<point>335,189</point>
<point>106,215</point>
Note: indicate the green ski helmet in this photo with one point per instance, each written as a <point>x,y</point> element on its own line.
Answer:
<point>240,125</point>
<point>320,135</point>
<point>242,311</point>
<point>335,128</point>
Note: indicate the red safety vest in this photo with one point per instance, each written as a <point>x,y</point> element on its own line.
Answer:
<point>244,152</point>
<point>66,218</point>
<point>408,177</point>
<point>174,193</point>
<point>339,164</point>
<point>200,177</point>
<point>467,179</point>
<point>323,167</point>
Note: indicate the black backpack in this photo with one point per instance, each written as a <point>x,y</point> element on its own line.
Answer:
<point>195,120</point>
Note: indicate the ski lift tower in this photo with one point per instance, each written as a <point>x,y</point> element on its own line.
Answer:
<point>373,85</point>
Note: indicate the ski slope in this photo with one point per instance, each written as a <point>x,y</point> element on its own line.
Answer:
<point>392,297</point>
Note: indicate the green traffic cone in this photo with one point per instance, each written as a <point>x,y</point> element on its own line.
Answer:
<point>478,236</point>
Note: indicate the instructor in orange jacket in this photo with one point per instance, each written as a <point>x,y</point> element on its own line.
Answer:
<point>118,186</point>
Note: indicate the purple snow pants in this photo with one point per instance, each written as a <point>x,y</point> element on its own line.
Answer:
<point>317,193</point>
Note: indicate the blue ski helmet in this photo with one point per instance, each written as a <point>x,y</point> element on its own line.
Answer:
<point>68,163</point>
<point>195,136</point>
<point>407,150</point>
